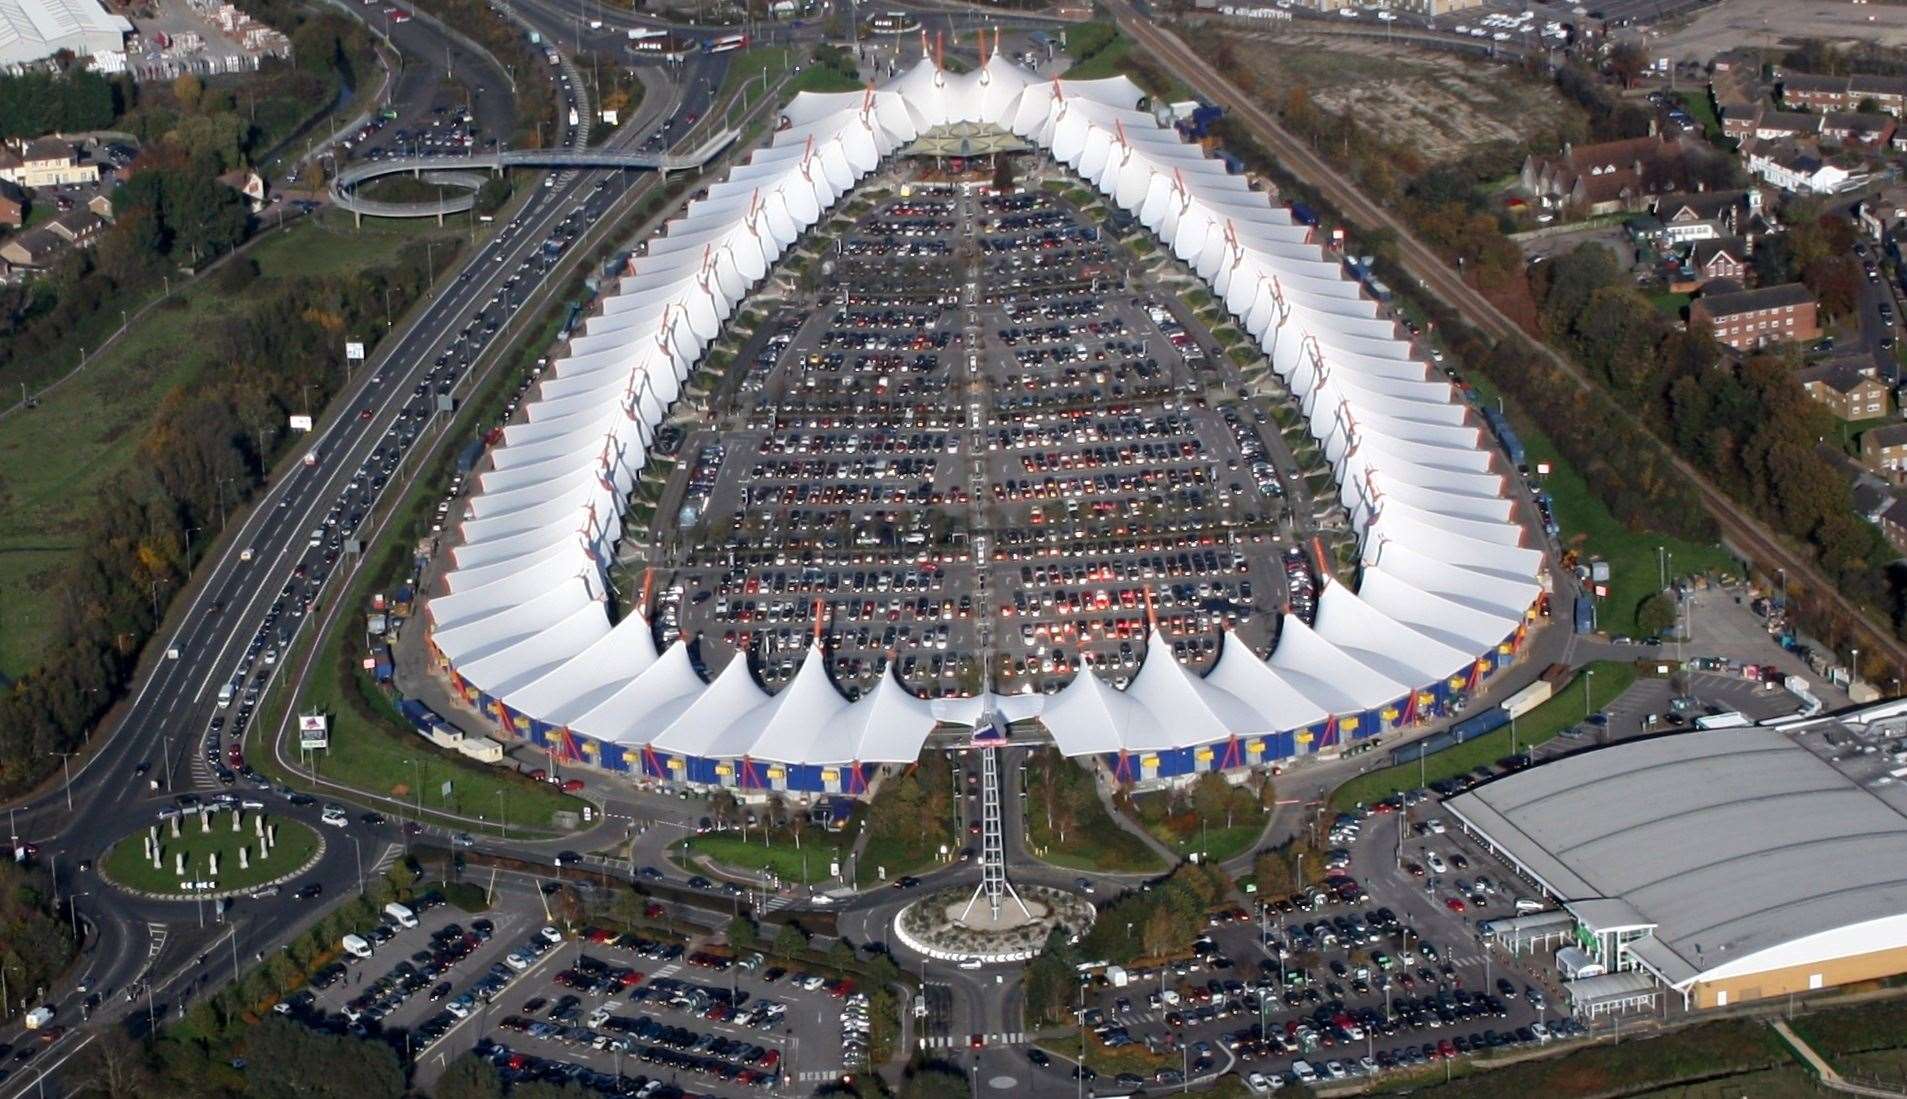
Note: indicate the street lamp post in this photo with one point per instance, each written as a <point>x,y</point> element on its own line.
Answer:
<point>66,766</point>
<point>1588,674</point>
<point>358,847</point>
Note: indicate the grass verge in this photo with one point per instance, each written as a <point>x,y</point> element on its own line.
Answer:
<point>777,855</point>
<point>1609,679</point>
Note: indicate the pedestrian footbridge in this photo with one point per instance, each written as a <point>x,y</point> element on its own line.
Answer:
<point>465,174</point>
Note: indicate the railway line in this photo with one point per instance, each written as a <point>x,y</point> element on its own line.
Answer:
<point>1742,530</point>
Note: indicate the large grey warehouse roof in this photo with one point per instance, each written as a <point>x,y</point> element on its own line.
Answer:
<point>1730,842</point>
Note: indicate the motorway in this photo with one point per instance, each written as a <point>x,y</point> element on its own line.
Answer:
<point>151,752</point>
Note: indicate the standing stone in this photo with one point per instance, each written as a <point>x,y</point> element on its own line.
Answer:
<point>178,863</point>
<point>205,821</point>
<point>264,850</point>
<point>258,824</point>
<point>244,858</point>
<point>175,827</point>
<point>212,865</point>
<point>236,819</point>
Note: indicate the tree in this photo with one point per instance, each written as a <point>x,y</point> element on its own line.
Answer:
<point>790,941</point>
<point>1656,615</point>
<point>1003,173</point>
<point>936,1080</point>
<point>1273,875</point>
<point>285,1060</point>
<point>188,89</point>
<point>1626,62</point>
<point>742,933</point>
<point>468,1077</point>
<point>114,1066</point>
<point>840,953</point>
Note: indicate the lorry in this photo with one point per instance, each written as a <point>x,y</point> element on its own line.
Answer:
<point>1585,615</point>
<point>400,915</point>
<point>225,695</point>
<point>1529,698</point>
<point>1116,976</point>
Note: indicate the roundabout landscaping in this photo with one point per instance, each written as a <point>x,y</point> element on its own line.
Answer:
<point>950,924</point>
<point>202,858</point>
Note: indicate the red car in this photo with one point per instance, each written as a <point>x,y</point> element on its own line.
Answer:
<point>978,1041</point>
<point>1454,904</point>
<point>572,786</point>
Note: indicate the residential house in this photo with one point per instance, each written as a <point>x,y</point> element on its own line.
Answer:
<point>1748,319</point>
<point>1892,521</point>
<point>1608,177</point>
<point>101,204</point>
<point>1885,448</point>
<point>1845,390</point>
<point>44,162</point>
<point>1734,81</point>
<point>12,206</point>
<point>32,250</point>
<point>1764,123</point>
<point>1858,129</point>
<point>1796,171</point>
<point>1883,212</point>
<point>1844,93</point>
<point>80,228</point>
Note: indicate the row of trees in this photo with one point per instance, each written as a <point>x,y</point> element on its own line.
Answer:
<point>36,103</point>
<point>1161,921</point>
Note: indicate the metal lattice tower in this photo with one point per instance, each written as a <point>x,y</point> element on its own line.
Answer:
<point>993,881</point>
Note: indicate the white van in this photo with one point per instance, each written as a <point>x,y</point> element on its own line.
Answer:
<point>1304,1072</point>
<point>1526,905</point>
<point>403,917</point>
<point>39,1017</point>
<point>356,946</point>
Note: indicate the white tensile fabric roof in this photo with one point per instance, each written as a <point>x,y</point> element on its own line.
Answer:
<point>1445,574</point>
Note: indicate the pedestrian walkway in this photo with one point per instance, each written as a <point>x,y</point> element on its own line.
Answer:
<point>960,1041</point>
<point>1829,1077</point>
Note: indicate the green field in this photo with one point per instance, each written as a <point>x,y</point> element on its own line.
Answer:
<point>1703,112</point>
<point>778,856</point>
<point>127,865</point>
<point>54,459</point>
<point>1611,678</point>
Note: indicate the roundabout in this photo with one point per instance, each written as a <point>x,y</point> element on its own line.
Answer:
<point>214,851</point>
<point>959,925</point>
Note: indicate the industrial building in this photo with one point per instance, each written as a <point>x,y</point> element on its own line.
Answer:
<point>1726,866</point>
<point>32,31</point>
